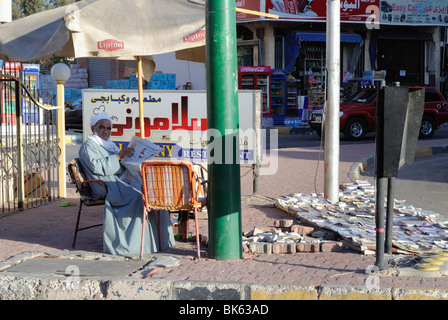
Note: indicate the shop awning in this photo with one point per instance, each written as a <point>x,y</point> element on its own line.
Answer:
<point>322,36</point>
<point>293,40</point>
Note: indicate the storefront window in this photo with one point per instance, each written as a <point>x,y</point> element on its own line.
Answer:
<point>245,55</point>
<point>278,52</point>
<point>403,60</point>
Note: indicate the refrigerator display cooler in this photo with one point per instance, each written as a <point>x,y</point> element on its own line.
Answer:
<point>257,78</point>
<point>7,91</point>
<point>30,77</point>
<point>278,96</point>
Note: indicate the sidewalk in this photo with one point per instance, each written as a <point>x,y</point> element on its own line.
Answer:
<point>29,238</point>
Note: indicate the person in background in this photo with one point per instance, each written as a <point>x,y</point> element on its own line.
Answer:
<point>123,211</point>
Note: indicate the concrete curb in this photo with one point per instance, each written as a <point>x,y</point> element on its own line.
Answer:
<point>292,131</point>
<point>30,286</point>
<point>358,168</point>
<point>25,287</point>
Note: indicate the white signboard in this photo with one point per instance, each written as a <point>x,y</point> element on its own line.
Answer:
<point>5,11</point>
<point>412,12</point>
<point>174,120</point>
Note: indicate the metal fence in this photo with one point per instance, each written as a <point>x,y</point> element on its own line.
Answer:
<point>28,148</point>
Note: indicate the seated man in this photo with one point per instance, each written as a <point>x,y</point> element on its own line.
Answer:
<point>123,211</point>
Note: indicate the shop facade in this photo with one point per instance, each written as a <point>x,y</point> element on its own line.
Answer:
<point>396,40</point>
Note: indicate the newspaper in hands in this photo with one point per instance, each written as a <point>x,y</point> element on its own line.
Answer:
<point>143,150</point>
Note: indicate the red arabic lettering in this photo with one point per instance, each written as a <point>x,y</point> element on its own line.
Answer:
<point>120,127</point>
<point>184,117</point>
<point>161,123</point>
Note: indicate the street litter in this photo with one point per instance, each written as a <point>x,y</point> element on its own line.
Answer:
<point>353,219</point>
<point>66,204</point>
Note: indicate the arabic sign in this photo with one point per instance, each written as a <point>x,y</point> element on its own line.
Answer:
<point>174,120</point>
<point>307,10</point>
<point>428,12</point>
<point>396,12</point>
<point>249,5</point>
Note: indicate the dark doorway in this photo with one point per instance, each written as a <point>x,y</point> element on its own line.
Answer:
<point>402,60</point>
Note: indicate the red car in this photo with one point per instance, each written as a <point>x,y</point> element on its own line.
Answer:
<point>358,114</point>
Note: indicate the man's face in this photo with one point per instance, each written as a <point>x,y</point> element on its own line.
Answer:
<point>103,128</point>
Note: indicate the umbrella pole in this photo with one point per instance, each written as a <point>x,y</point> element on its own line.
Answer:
<point>140,96</point>
<point>142,134</point>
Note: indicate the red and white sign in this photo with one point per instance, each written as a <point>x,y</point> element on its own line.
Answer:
<point>307,10</point>
<point>249,5</point>
<point>262,69</point>
<point>195,37</point>
<point>110,45</point>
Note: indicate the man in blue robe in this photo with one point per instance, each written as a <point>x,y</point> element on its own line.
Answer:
<point>123,211</point>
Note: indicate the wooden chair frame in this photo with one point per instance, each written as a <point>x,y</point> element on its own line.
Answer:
<point>77,177</point>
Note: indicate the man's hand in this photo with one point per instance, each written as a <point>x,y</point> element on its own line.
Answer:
<point>125,152</point>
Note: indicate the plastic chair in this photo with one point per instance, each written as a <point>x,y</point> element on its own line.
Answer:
<point>171,186</point>
<point>77,177</point>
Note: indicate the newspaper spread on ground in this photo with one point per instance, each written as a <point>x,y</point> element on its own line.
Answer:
<point>353,218</point>
<point>143,150</point>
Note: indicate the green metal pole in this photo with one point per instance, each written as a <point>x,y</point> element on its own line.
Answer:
<point>224,192</point>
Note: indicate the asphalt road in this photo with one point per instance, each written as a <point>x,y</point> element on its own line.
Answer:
<point>310,139</point>
<point>423,184</point>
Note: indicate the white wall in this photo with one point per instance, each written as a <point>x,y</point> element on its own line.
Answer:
<point>186,71</point>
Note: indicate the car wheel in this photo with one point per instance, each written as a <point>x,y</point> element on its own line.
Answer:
<point>355,129</point>
<point>427,128</point>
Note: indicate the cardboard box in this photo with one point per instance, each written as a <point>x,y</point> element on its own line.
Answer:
<point>34,186</point>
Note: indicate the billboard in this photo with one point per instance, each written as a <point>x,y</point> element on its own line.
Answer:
<point>249,5</point>
<point>391,12</point>
<point>309,10</point>
<point>174,120</point>
<point>413,12</point>
<point>306,10</point>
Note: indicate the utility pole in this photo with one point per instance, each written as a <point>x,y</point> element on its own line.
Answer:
<point>224,184</point>
<point>331,116</point>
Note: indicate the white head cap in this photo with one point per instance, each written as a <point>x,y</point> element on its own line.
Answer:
<point>98,117</point>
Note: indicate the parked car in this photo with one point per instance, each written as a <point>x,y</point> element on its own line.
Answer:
<point>358,114</point>
<point>73,115</point>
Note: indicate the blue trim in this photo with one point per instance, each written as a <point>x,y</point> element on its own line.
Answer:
<point>322,36</point>
<point>293,39</point>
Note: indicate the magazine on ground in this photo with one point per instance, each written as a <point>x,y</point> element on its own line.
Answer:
<point>143,150</point>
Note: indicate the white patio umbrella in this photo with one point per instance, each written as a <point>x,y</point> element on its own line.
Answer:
<point>109,29</point>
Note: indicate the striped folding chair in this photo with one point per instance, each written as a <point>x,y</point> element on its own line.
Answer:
<point>170,186</point>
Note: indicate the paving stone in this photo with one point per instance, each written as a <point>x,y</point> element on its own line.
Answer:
<point>256,247</point>
<point>307,247</point>
<point>291,248</point>
<point>283,223</point>
<point>278,248</point>
<point>267,248</point>
<point>302,230</point>
<point>333,246</point>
